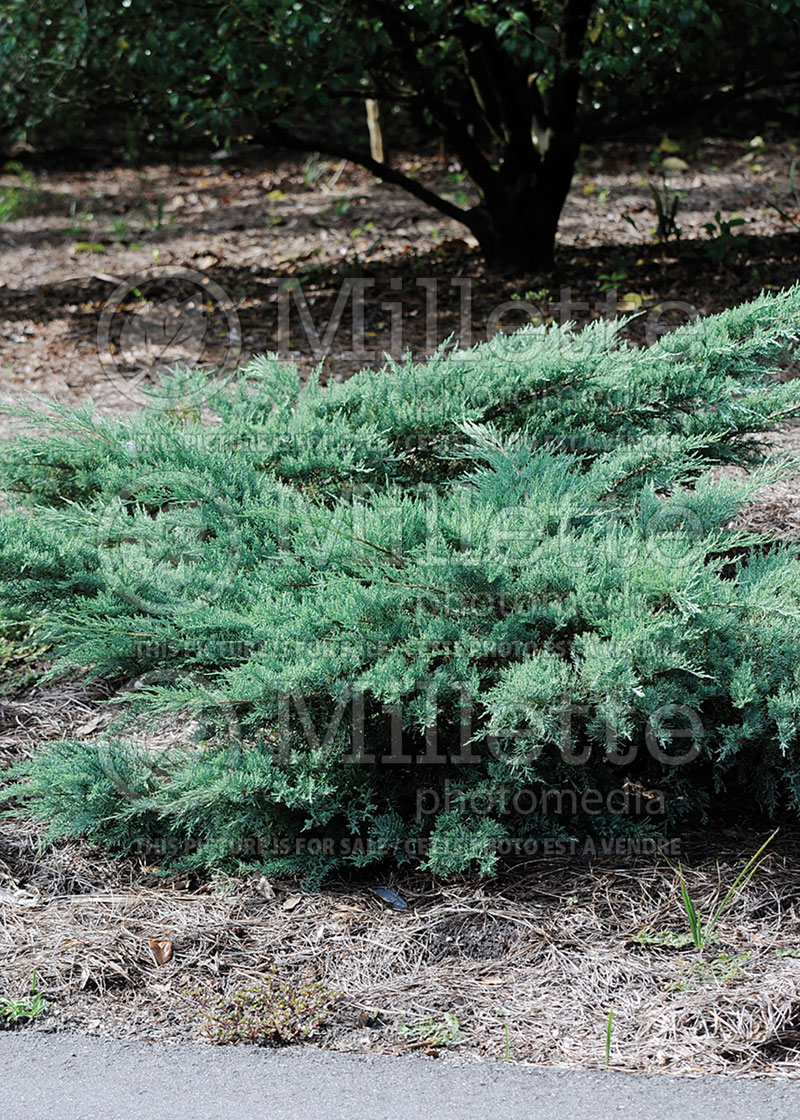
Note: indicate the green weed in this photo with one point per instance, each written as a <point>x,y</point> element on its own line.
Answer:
<point>21,197</point>
<point>702,936</point>
<point>667,203</point>
<point>275,1011</point>
<point>432,1031</point>
<point>14,1011</point>
<point>723,245</point>
<point>722,970</point>
<point>664,939</point>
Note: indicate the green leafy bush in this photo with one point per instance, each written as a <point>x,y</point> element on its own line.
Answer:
<point>427,615</point>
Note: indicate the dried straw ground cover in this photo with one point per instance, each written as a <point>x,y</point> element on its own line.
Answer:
<point>527,967</point>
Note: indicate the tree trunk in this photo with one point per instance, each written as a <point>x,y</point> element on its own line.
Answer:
<point>516,226</point>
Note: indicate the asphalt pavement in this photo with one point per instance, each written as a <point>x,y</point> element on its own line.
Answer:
<point>63,1077</point>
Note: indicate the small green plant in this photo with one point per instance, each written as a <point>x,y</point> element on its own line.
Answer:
<point>275,1012</point>
<point>13,1011</point>
<point>613,279</point>
<point>701,936</point>
<point>537,298</point>
<point>313,170</point>
<point>609,1030</point>
<point>724,244</point>
<point>663,939</point>
<point>274,196</point>
<point>667,203</point>
<point>724,969</point>
<point>433,1032</point>
<point>458,194</point>
<point>533,295</point>
<point>21,197</point>
<point>155,219</point>
<point>121,230</point>
<point>78,228</point>
<point>357,230</point>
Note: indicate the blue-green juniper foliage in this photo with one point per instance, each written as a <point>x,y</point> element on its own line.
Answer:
<point>425,614</point>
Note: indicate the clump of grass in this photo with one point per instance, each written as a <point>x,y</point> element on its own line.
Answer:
<point>702,935</point>
<point>274,1012</point>
<point>667,203</point>
<point>609,1030</point>
<point>14,1011</point>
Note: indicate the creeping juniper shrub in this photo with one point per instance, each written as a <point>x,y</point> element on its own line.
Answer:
<point>423,615</point>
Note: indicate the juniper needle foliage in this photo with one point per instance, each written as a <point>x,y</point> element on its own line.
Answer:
<point>427,615</point>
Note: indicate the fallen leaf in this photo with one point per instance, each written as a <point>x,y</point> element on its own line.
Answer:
<point>161,948</point>
<point>669,146</point>
<point>88,247</point>
<point>204,261</point>
<point>91,725</point>
<point>674,163</point>
<point>291,902</point>
<point>19,897</point>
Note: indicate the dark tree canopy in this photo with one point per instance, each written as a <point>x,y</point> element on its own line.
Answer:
<point>512,89</point>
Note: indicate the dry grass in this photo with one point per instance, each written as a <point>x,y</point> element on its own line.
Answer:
<point>549,950</point>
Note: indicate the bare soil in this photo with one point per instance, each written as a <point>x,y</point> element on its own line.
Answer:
<point>527,966</point>
<point>253,224</point>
